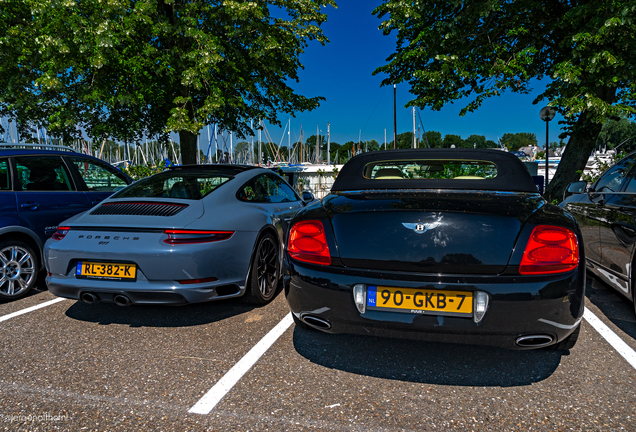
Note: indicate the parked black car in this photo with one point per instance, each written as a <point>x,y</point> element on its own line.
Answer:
<point>606,212</point>
<point>448,245</point>
<point>38,190</point>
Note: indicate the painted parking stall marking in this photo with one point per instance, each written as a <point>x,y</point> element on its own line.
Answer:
<point>225,384</point>
<point>30,309</point>
<point>614,340</point>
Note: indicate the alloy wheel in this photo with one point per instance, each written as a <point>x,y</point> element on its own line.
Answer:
<point>267,269</point>
<point>17,271</point>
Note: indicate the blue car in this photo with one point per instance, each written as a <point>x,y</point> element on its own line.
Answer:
<point>38,190</point>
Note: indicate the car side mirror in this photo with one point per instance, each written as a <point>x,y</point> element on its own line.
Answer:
<point>308,196</point>
<point>577,187</point>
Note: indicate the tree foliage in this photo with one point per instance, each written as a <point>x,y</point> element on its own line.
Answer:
<point>452,140</point>
<point>433,138</point>
<point>618,133</point>
<point>125,68</point>
<point>514,141</point>
<point>450,50</point>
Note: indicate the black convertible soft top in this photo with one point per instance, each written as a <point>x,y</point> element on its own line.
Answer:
<point>512,175</point>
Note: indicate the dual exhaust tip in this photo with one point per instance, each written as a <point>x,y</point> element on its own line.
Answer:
<point>119,299</point>
<point>528,341</point>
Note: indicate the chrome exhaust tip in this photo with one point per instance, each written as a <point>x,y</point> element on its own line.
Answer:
<point>89,298</point>
<point>314,321</point>
<point>534,341</point>
<point>122,300</point>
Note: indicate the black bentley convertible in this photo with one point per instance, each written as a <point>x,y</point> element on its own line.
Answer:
<point>446,245</point>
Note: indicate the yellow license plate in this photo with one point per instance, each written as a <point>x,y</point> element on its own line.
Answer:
<point>420,300</point>
<point>106,270</point>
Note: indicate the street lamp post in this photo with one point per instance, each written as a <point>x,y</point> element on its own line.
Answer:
<point>547,113</point>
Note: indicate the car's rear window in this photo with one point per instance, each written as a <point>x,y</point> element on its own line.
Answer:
<point>435,169</point>
<point>431,169</point>
<point>178,184</point>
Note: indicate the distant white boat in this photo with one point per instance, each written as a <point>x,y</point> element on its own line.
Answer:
<point>315,178</point>
<point>593,166</point>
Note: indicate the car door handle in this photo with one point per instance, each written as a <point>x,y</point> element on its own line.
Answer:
<point>30,205</point>
<point>97,201</point>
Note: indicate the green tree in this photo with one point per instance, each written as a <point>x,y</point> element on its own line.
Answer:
<point>127,68</point>
<point>517,140</point>
<point>371,145</point>
<point>617,132</point>
<point>346,149</point>
<point>241,151</point>
<point>475,141</point>
<point>434,139</point>
<point>451,50</point>
<point>452,140</point>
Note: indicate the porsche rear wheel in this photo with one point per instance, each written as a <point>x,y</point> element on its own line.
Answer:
<point>18,269</point>
<point>264,272</point>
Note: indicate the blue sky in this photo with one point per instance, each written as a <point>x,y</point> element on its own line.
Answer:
<point>342,70</point>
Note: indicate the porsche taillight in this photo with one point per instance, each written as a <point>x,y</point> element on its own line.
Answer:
<point>180,236</point>
<point>60,233</point>
<point>550,249</point>
<point>308,243</point>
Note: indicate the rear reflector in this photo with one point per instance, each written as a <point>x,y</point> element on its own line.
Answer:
<point>176,236</point>
<point>196,281</point>
<point>308,243</point>
<point>550,249</point>
<point>60,233</point>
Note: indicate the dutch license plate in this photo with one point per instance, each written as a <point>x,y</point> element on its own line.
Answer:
<point>420,301</point>
<point>106,270</point>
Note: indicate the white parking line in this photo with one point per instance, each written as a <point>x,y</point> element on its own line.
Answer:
<point>225,384</point>
<point>619,345</point>
<point>30,309</point>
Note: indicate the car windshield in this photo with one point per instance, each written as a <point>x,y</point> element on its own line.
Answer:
<point>176,184</point>
<point>431,169</point>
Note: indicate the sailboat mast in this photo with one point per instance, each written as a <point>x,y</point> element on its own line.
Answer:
<point>394,117</point>
<point>414,136</point>
<point>328,145</point>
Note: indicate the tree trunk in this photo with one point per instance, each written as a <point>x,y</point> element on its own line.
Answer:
<point>188,147</point>
<point>580,146</point>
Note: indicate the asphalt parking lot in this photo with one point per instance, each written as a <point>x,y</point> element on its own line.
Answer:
<point>72,366</point>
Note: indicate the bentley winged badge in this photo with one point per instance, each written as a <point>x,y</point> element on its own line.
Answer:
<point>421,228</point>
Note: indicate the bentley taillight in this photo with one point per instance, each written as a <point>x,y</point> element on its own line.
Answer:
<point>308,243</point>
<point>550,249</point>
<point>181,236</point>
<point>60,233</point>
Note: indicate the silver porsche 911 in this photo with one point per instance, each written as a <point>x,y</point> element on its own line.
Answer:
<point>190,234</point>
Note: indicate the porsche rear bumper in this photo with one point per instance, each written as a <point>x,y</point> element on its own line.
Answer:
<point>143,291</point>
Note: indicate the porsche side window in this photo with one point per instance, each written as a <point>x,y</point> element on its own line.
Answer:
<point>99,177</point>
<point>279,191</point>
<point>43,173</point>
<point>613,179</point>
<point>257,190</point>
<point>5,179</point>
